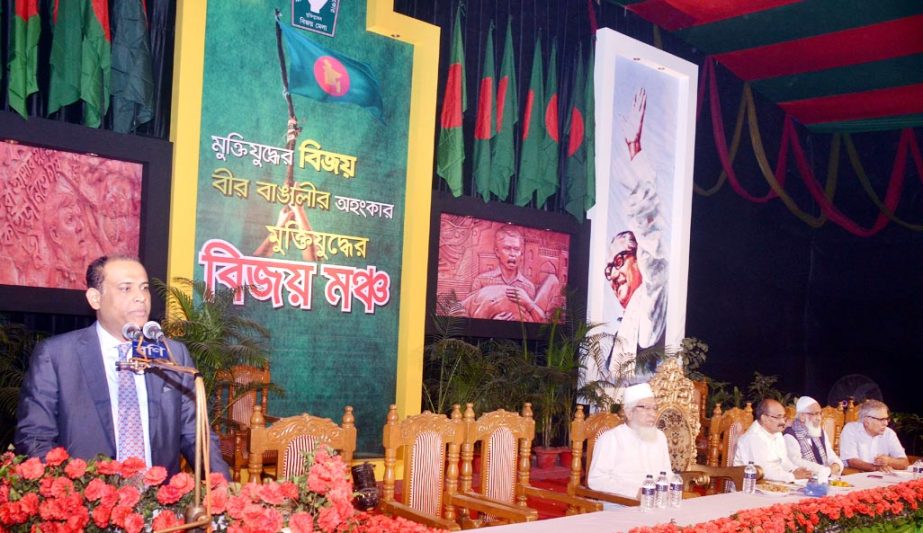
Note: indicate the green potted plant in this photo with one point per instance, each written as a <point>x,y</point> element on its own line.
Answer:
<point>16,344</point>
<point>215,331</point>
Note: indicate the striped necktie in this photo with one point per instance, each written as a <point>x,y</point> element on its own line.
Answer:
<point>131,433</point>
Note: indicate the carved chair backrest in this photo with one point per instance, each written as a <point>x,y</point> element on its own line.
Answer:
<point>726,429</point>
<point>505,440</point>
<point>430,445</point>
<point>583,434</point>
<point>832,421</point>
<point>852,412</point>
<point>238,379</point>
<point>294,436</point>
<point>677,412</point>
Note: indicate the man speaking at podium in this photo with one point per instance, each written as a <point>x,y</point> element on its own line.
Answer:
<point>73,396</point>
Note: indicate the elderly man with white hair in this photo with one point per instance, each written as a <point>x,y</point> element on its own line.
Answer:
<point>869,444</point>
<point>625,454</point>
<point>808,445</point>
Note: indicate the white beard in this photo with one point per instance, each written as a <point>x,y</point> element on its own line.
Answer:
<point>647,434</point>
<point>813,430</point>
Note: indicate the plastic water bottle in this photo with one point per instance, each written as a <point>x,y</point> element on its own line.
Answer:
<point>917,469</point>
<point>663,490</point>
<point>749,478</point>
<point>676,491</point>
<point>648,494</point>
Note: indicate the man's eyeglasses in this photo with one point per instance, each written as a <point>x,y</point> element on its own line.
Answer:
<point>818,413</point>
<point>646,407</point>
<point>885,419</point>
<point>777,417</point>
<point>617,262</point>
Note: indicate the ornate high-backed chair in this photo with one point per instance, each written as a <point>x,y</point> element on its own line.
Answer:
<point>292,437</point>
<point>678,417</point>
<point>239,390</point>
<point>726,429</point>
<point>430,444</point>
<point>701,399</point>
<point>832,420</point>
<point>677,412</point>
<point>505,440</point>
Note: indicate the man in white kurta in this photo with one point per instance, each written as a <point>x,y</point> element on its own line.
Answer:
<point>624,455</point>
<point>807,443</point>
<point>764,445</point>
<point>869,444</point>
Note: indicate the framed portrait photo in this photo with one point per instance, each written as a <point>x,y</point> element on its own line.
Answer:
<point>639,244</point>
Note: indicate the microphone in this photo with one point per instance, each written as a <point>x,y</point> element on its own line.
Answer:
<point>152,331</point>
<point>131,331</point>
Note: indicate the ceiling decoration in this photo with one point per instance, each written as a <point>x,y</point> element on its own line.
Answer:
<point>834,65</point>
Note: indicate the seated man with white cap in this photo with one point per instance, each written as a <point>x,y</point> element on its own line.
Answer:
<point>625,454</point>
<point>808,445</point>
<point>764,446</point>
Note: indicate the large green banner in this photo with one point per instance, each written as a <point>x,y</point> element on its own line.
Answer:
<point>302,168</point>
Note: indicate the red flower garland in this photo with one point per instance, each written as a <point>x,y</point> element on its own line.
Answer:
<point>855,509</point>
<point>66,494</point>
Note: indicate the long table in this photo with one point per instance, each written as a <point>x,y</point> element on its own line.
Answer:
<point>692,511</point>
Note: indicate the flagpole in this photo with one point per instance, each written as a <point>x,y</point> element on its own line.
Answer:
<point>292,210</point>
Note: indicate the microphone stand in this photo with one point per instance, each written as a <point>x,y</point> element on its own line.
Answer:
<point>197,515</point>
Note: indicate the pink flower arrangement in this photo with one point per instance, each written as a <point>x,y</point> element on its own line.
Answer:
<point>64,494</point>
<point>896,505</point>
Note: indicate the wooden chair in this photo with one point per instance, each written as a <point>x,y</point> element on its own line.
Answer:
<point>726,429</point>
<point>292,437</point>
<point>505,440</point>
<point>583,435</point>
<point>239,390</point>
<point>430,444</point>
<point>852,412</point>
<point>832,420</point>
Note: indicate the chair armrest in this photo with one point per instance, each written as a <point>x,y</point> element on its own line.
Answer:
<point>399,509</point>
<point>560,497</point>
<point>695,478</point>
<point>586,492</point>
<point>511,512</point>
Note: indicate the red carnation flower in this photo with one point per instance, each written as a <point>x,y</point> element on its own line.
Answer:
<point>56,456</point>
<point>31,469</point>
<point>155,476</point>
<point>75,468</point>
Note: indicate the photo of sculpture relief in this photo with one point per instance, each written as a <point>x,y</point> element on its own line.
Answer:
<point>499,271</point>
<point>58,210</point>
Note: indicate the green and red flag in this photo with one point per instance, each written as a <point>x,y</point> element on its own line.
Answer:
<point>484,124</point>
<point>66,54</point>
<point>328,76</point>
<point>96,62</point>
<point>579,174</point>
<point>532,131</point>
<point>23,64</point>
<point>450,152</point>
<point>503,155</point>
<point>132,73</point>
<point>548,152</point>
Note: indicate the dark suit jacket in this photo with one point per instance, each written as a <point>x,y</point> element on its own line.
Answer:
<point>64,401</point>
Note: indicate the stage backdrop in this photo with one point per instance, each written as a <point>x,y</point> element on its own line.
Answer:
<point>639,244</point>
<point>304,201</point>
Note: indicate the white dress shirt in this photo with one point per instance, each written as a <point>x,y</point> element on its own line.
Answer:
<point>766,450</point>
<point>621,460</point>
<point>109,346</point>
<point>856,443</point>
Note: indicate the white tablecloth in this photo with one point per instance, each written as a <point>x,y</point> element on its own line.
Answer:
<point>692,511</point>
